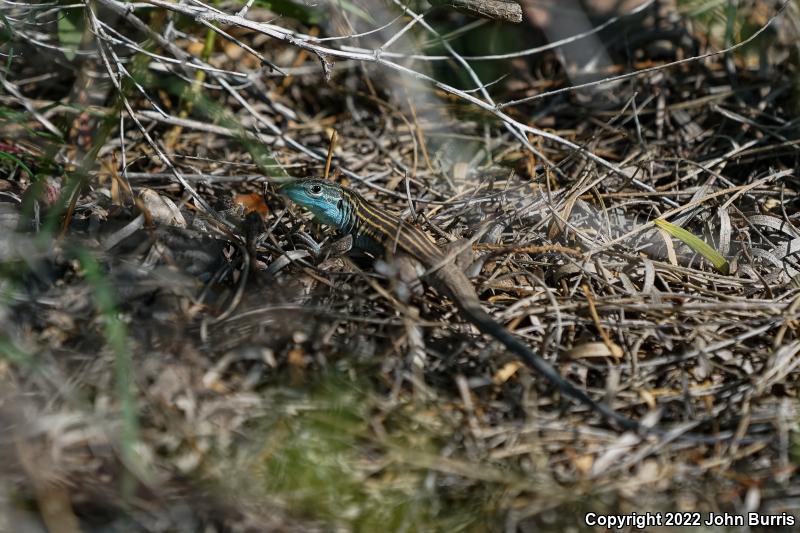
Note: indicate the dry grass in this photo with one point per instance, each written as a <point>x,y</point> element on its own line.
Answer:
<point>182,351</point>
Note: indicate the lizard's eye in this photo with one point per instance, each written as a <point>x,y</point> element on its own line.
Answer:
<point>315,190</point>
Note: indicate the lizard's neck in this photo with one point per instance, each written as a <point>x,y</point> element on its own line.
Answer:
<point>367,223</point>
<point>377,231</point>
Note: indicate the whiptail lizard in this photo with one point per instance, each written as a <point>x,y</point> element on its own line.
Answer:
<point>378,232</point>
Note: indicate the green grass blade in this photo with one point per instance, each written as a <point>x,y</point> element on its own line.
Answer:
<point>116,336</point>
<point>17,161</point>
<point>70,33</point>
<point>695,243</point>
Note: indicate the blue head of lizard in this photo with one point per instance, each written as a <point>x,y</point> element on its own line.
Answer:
<point>324,199</point>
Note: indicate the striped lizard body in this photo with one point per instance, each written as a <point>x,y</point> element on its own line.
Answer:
<point>378,232</point>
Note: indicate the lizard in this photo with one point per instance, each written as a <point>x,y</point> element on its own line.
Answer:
<point>376,231</point>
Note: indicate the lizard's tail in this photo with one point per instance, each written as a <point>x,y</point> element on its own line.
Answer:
<point>471,308</point>
<point>487,325</point>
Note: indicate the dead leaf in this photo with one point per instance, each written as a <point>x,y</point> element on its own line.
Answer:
<point>594,349</point>
<point>505,373</point>
<point>648,398</point>
<point>583,463</point>
<point>252,202</point>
